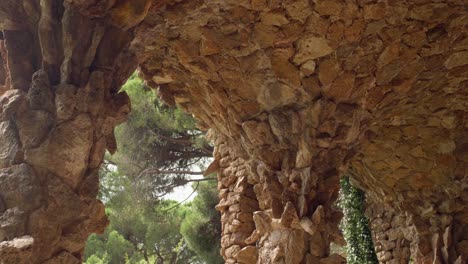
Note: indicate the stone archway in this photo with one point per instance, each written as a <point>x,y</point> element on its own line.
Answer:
<point>294,92</point>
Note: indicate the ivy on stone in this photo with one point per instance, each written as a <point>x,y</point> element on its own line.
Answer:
<point>355,225</point>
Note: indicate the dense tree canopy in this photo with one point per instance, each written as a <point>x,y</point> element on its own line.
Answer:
<point>164,232</point>
<point>140,231</point>
<point>157,140</point>
<point>159,149</point>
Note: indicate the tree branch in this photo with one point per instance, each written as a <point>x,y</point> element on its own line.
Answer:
<point>183,140</point>
<point>184,182</point>
<point>194,190</point>
<point>158,253</point>
<point>157,171</point>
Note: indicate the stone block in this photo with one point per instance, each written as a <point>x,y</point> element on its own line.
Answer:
<point>10,103</point>
<point>394,234</point>
<point>384,256</point>
<point>19,187</point>
<point>247,255</point>
<point>66,150</point>
<point>311,47</point>
<point>259,133</point>
<point>333,259</point>
<point>10,144</point>
<point>33,127</point>
<point>232,251</point>
<point>317,245</point>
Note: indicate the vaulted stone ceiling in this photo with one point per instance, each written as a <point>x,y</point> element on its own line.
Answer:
<point>295,94</point>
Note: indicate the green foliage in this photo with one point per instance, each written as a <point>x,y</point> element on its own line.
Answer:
<point>95,250</point>
<point>118,247</point>
<point>94,259</point>
<point>157,137</point>
<point>202,224</point>
<point>355,225</point>
<point>144,228</point>
<point>140,229</point>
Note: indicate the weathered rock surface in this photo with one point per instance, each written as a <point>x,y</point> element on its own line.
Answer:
<point>298,92</point>
<point>59,104</point>
<point>295,94</point>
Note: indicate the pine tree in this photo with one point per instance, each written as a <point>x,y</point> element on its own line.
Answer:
<point>202,224</point>
<point>159,148</point>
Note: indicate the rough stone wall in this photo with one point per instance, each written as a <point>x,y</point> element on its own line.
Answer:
<point>309,89</point>
<point>237,205</point>
<point>61,66</point>
<point>295,92</point>
<point>257,227</point>
<point>303,86</point>
<point>3,66</point>
<point>416,159</point>
<point>388,233</point>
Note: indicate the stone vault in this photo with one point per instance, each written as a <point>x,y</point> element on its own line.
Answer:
<point>294,94</point>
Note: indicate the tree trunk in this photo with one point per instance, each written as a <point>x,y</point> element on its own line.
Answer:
<point>59,82</point>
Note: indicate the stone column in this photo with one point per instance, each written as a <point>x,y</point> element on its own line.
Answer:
<point>62,64</point>
<point>388,233</point>
<point>275,208</point>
